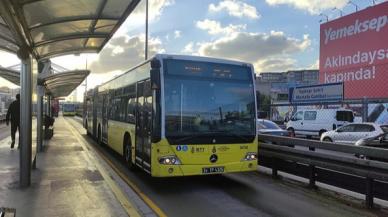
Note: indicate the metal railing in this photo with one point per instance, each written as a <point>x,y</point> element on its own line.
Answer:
<point>330,163</point>
<point>2,118</point>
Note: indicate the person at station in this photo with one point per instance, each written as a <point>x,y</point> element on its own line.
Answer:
<point>13,114</point>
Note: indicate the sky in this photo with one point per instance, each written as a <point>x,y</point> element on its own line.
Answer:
<point>273,35</point>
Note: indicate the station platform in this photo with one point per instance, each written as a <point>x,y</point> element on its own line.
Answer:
<point>68,181</point>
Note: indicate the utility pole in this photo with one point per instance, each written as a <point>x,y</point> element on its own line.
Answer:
<point>146,34</point>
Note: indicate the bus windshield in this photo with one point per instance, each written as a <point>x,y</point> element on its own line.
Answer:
<point>68,107</point>
<point>208,103</point>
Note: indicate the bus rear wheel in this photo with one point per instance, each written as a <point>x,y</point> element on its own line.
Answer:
<point>128,153</point>
<point>99,136</point>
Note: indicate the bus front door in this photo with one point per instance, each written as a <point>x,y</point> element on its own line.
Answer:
<point>143,125</point>
<point>105,119</point>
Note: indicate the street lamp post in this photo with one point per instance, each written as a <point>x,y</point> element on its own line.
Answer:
<point>146,33</point>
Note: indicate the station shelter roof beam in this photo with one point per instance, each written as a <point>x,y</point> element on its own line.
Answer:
<point>10,75</point>
<point>62,84</point>
<point>58,27</point>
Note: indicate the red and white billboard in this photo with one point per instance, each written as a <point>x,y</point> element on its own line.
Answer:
<point>354,50</point>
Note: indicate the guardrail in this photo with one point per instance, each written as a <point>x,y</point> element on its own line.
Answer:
<point>368,177</point>
<point>2,118</point>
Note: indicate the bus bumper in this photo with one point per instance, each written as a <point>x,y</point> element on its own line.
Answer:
<point>191,170</point>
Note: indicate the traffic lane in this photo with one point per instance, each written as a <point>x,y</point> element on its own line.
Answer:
<point>242,194</point>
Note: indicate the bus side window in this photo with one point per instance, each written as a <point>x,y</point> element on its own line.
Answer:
<point>123,109</point>
<point>131,105</point>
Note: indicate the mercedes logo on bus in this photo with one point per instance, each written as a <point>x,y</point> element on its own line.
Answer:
<point>213,158</point>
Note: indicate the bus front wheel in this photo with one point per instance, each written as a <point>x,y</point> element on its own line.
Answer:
<point>128,152</point>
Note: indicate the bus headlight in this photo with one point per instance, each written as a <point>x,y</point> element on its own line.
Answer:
<point>250,156</point>
<point>169,160</point>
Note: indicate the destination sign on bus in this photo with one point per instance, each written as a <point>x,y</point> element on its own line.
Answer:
<point>207,70</point>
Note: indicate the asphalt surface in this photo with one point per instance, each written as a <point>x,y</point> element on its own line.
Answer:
<point>241,194</point>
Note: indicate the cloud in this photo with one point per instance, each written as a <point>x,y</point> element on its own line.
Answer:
<point>235,8</point>
<point>137,17</point>
<point>214,27</point>
<point>189,48</point>
<point>275,64</point>
<point>312,6</point>
<point>124,52</point>
<point>315,65</point>
<point>265,51</point>
<point>177,34</point>
<point>8,59</point>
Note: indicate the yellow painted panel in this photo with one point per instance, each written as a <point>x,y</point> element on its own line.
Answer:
<point>116,132</point>
<point>195,157</point>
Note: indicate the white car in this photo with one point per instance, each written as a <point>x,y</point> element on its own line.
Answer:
<point>351,133</point>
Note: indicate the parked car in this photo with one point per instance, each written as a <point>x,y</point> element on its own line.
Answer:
<point>269,127</point>
<point>351,133</point>
<point>379,141</point>
<point>314,122</point>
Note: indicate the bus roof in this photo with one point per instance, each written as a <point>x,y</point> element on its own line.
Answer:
<point>200,58</point>
<point>180,57</point>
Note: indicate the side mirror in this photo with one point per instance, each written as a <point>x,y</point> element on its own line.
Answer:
<point>286,119</point>
<point>155,79</point>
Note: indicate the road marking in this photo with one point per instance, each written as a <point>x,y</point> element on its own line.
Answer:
<point>128,207</point>
<point>134,187</point>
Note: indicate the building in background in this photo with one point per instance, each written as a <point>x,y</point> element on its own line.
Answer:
<point>276,84</point>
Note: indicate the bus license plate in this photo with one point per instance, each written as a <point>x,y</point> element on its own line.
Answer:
<point>207,170</point>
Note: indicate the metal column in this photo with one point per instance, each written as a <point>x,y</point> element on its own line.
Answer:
<point>39,119</point>
<point>25,119</point>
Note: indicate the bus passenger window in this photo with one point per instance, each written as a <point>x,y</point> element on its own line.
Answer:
<point>131,105</point>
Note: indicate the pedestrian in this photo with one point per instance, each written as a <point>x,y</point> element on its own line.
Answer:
<point>13,114</point>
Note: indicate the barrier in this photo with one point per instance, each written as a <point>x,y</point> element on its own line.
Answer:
<point>368,177</point>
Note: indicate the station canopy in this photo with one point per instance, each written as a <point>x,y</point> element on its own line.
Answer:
<point>49,28</point>
<point>62,84</point>
<point>10,75</point>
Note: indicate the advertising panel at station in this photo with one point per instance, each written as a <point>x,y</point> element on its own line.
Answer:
<point>354,50</point>
<point>317,93</point>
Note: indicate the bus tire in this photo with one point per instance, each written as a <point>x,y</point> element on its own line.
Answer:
<point>87,128</point>
<point>99,136</point>
<point>127,149</point>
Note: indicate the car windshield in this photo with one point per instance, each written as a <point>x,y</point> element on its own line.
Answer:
<point>208,103</point>
<point>261,124</point>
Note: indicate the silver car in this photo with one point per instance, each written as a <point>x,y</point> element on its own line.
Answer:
<point>268,127</point>
<point>351,133</point>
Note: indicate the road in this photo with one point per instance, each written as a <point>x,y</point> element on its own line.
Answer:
<point>242,194</point>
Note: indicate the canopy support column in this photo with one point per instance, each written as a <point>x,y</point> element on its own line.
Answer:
<point>25,128</point>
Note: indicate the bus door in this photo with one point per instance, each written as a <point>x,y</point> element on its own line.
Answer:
<point>143,124</point>
<point>105,118</point>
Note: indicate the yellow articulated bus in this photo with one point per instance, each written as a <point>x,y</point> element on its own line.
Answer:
<point>178,115</point>
<point>68,109</point>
